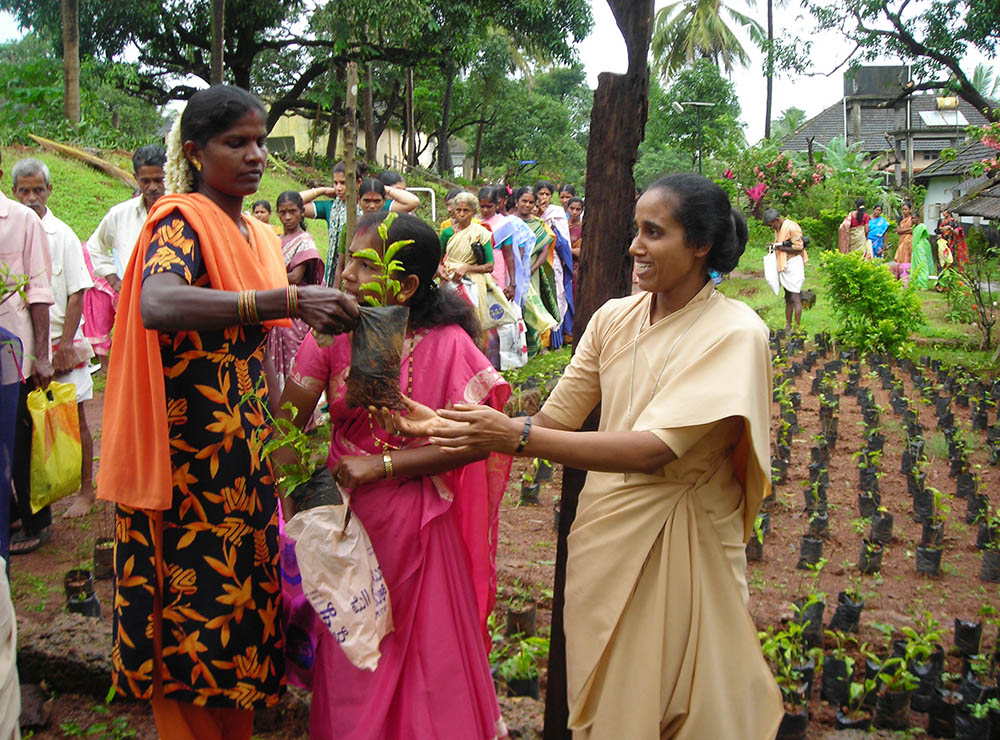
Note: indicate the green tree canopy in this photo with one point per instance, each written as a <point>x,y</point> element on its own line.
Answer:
<point>667,129</point>
<point>174,38</point>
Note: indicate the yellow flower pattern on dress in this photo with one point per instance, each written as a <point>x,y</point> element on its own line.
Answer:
<point>220,619</point>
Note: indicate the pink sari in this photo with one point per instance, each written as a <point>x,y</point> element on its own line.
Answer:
<point>99,306</point>
<point>283,342</point>
<point>435,538</point>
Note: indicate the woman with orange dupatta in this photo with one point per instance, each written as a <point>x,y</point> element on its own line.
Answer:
<point>196,628</point>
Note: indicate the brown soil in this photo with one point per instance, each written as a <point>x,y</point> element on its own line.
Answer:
<point>526,554</point>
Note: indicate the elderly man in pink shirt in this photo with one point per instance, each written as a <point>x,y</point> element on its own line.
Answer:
<point>24,251</point>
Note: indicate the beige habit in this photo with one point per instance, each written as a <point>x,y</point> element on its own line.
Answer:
<point>658,637</point>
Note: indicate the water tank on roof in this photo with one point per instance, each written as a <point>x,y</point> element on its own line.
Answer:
<point>875,82</point>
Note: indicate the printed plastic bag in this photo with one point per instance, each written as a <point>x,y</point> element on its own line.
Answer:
<point>56,454</point>
<point>513,342</point>
<point>498,308</point>
<point>771,271</point>
<point>342,580</point>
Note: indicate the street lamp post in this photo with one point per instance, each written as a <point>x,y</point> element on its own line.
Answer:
<point>679,107</point>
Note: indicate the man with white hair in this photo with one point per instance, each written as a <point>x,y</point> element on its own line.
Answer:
<point>71,352</point>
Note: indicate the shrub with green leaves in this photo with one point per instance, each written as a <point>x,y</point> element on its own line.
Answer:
<point>961,308</point>
<point>875,311</point>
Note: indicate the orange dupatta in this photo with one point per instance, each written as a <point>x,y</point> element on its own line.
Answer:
<point>136,449</point>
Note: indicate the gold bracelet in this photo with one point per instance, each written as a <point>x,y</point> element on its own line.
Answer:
<point>387,462</point>
<point>241,314</point>
<point>252,306</point>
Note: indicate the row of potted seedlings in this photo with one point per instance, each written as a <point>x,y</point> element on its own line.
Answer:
<point>913,668</point>
<point>882,686</point>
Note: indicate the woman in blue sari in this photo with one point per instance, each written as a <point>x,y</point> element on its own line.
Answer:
<point>877,228</point>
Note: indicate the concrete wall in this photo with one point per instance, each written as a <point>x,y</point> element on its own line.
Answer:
<point>389,146</point>
<point>940,190</point>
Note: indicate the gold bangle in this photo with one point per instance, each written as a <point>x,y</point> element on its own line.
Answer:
<point>387,462</point>
<point>252,306</point>
<point>241,314</point>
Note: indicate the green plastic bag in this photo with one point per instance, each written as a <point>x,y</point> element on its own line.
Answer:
<point>56,454</point>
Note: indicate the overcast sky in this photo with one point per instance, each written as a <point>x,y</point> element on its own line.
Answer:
<point>604,51</point>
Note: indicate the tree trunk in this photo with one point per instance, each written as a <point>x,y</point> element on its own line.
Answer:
<point>443,150</point>
<point>350,145</point>
<point>411,127</point>
<point>218,40</point>
<point>371,140</point>
<point>315,133</point>
<point>479,149</point>
<point>71,59</point>
<point>770,68</point>
<point>605,272</point>
<point>336,120</point>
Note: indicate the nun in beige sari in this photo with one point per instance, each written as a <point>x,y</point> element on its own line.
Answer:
<point>659,641</point>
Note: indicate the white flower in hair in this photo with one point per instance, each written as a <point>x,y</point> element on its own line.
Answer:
<point>179,178</point>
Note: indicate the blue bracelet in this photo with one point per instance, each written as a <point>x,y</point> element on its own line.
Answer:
<point>524,435</point>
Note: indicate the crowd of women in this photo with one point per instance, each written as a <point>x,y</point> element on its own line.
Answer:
<point>217,329</point>
<point>919,254</point>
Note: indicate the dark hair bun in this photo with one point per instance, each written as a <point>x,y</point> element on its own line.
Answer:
<point>726,255</point>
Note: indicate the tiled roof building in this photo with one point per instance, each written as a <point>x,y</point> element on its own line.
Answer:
<point>902,134</point>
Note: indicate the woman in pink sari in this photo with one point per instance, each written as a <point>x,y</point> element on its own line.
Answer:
<point>304,267</point>
<point>431,517</point>
<point>99,306</point>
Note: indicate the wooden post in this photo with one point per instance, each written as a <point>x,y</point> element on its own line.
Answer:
<point>371,141</point>
<point>617,125</point>
<point>70,10</point>
<point>411,133</point>
<point>218,40</point>
<point>350,147</point>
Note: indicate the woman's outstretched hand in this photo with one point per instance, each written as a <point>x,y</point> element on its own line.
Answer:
<point>465,427</point>
<point>477,428</point>
<point>419,421</point>
<point>327,310</point>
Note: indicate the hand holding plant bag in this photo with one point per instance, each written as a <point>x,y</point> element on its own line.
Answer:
<point>377,340</point>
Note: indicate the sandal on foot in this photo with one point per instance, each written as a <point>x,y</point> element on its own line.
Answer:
<point>22,543</point>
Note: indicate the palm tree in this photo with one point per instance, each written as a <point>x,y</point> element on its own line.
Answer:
<point>687,29</point>
<point>789,120</point>
<point>987,82</point>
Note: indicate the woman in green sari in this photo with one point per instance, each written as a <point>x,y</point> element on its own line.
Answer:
<point>922,261</point>
<point>541,310</point>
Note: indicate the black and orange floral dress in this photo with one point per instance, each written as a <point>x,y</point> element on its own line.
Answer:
<point>221,633</point>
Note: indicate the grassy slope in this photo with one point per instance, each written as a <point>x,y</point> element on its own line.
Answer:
<point>81,195</point>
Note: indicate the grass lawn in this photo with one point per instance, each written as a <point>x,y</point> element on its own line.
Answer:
<point>938,338</point>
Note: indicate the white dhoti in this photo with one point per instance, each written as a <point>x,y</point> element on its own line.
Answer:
<point>794,274</point>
